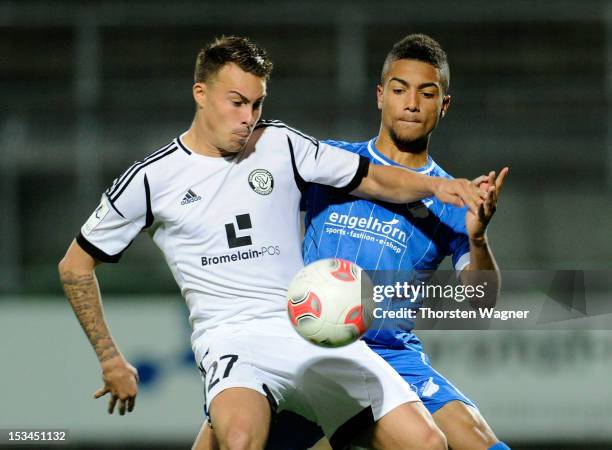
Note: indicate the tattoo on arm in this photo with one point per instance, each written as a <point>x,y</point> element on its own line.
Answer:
<point>83,294</point>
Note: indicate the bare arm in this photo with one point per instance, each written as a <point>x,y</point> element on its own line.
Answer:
<point>80,285</point>
<point>81,289</point>
<point>483,267</point>
<point>396,185</point>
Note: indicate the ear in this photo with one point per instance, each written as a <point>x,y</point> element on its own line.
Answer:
<point>445,105</point>
<point>379,96</point>
<point>199,94</point>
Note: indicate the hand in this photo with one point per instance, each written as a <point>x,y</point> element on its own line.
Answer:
<point>459,192</point>
<point>476,223</point>
<point>120,380</point>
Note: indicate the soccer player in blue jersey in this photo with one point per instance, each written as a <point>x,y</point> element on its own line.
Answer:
<point>412,97</point>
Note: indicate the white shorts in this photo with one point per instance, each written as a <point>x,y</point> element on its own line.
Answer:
<point>327,386</point>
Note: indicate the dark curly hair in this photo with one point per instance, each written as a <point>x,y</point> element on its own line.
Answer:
<point>421,48</point>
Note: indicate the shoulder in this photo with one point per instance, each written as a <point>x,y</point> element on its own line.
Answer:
<point>156,162</point>
<point>174,150</point>
<point>280,129</point>
<point>438,171</point>
<point>360,148</point>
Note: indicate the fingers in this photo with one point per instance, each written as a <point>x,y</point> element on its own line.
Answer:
<point>125,404</point>
<point>482,215</point>
<point>487,209</point>
<point>112,403</point>
<point>462,193</point>
<point>121,381</point>
<point>492,178</point>
<point>455,200</point>
<point>494,185</point>
<point>113,400</point>
<point>451,198</point>
<point>479,193</point>
<point>472,196</point>
<point>131,403</point>
<point>501,178</point>
<point>481,179</point>
<point>101,392</point>
<point>492,200</point>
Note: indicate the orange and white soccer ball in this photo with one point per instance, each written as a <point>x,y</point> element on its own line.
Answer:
<point>330,302</point>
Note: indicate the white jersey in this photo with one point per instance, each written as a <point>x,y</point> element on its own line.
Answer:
<point>229,228</point>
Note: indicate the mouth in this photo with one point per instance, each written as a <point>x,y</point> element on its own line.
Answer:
<point>242,134</point>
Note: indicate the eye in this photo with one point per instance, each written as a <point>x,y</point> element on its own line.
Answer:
<point>397,91</point>
<point>428,95</point>
<point>236,102</point>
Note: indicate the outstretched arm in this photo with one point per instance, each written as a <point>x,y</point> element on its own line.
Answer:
<point>482,266</point>
<point>80,285</point>
<point>396,185</point>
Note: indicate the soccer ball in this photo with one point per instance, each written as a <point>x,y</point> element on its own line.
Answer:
<point>330,302</point>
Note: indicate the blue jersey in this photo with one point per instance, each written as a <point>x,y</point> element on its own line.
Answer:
<point>384,236</point>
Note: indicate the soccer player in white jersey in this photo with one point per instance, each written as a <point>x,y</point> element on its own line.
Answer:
<point>222,203</point>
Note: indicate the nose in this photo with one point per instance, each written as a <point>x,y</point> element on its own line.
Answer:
<point>249,116</point>
<point>412,104</point>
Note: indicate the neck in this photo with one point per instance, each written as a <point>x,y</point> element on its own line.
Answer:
<point>197,138</point>
<point>412,154</point>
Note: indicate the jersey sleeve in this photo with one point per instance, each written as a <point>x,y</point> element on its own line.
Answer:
<point>124,210</point>
<point>317,162</point>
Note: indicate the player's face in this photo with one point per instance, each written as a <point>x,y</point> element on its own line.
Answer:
<point>231,104</point>
<point>411,101</point>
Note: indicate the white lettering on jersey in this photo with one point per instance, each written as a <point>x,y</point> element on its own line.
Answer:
<point>370,225</point>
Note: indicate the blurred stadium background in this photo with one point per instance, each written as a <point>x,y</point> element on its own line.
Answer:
<point>88,87</point>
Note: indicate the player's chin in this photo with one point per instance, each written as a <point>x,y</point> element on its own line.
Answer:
<point>407,138</point>
<point>410,131</point>
<point>236,145</point>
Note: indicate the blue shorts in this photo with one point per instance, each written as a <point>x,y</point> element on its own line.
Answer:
<point>413,365</point>
<point>410,362</point>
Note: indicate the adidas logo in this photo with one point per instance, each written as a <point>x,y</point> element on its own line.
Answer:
<point>190,197</point>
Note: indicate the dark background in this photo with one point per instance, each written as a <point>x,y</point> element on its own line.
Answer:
<point>89,87</point>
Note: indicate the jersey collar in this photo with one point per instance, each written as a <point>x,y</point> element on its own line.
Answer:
<point>193,153</point>
<point>382,159</point>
